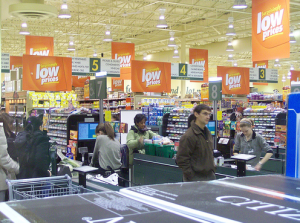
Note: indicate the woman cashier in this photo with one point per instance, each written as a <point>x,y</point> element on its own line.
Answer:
<point>250,142</point>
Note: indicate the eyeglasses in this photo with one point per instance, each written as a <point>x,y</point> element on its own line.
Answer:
<point>206,113</point>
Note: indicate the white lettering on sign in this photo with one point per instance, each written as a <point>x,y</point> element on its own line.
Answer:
<point>202,62</point>
<point>271,24</point>
<point>260,66</point>
<point>117,83</point>
<point>151,78</point>
<point>124,60</point>
<point>259,205</point>
<point>234,81</point>
<point>39,53</point>
<point>47,74</point>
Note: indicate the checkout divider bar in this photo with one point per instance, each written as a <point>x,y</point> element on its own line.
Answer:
<point>13,216</point>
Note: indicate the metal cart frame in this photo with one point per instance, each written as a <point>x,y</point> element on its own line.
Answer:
<point>36,188</point>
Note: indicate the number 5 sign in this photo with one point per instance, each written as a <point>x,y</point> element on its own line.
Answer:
<point>98,88</point>
<point>215,90</point>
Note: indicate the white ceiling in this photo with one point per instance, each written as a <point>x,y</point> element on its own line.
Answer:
<point>195,22</point>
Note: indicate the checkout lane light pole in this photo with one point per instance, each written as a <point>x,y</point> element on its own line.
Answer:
<point>215,102</point>
<point>101,74</point>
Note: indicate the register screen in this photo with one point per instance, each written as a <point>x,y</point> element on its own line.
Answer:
<point>86,130</point>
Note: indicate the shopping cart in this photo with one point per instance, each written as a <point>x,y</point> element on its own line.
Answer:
<point>36,188</point>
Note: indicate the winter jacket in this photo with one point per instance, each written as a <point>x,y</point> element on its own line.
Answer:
<point>107,153</point>
<point>37,160</point>
<point>11,146</point>
<point>133,143</point>
<point>195,152</point>
<point>7,165</point>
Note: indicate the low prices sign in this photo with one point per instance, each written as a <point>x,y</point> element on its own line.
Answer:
<point>78,81</point>
<point>261,64</point>
<point>270,29</point>
<point>184,71</point>
<point>42,73</point>
<point>16,62</point>
<point>235,80</point>
<point>263,75</point>
<point>117,84</point>
<point>39,45</point>
<point>151,76</point>
<point>124,52</point>
<point>200,57</point>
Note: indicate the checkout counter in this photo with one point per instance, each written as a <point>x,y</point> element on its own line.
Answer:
<point>149,170</point>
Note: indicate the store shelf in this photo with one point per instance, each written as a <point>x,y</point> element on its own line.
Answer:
<point>261,113</point>
<point>59,114</point>
<point>58,121</point>
<point>271,100</point>
<point>57,135</point>
<point>57,128</point>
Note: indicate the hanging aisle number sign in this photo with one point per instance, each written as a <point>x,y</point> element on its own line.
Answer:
<point>97,88</point>
<point>215,91</point>
<point>263,75</point>
<point>183,71</point>
<point>90,66</point>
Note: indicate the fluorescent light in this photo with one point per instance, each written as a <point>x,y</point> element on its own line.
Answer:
<point>239,4</point>
<point>71,46</point>
<point>176,54</point>
<point>230,30</point>
<point>24,29</point>
<point>172,42</point>
<point>64,12</point>
<point>229,46</point>
<point>230,58</point>
<point>95,53</point>
<point>145,56</point>
<point>276,63</point>
<point>162,22</point>
<point>107,36</point>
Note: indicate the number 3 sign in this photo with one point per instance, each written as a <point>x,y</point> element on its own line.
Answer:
<point>215,91</point>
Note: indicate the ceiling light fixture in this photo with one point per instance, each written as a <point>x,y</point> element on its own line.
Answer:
<point>283,78</point>
<point>162,21</point>
<point>107,36</point>
<point>289,75</point>
<point>71,46</point>
<point>95,53</point>
<point>239,4</point>
<point>230,30</point>
<point>172,42</point>
<point>145,56</point>
<point>235,64</point>
<point>24,29</point>
<point>229,46</point>
<point>292,37</point>
<point>292,67</point>
<point>64,12</point>
<point>276,63</point>
<point>176,54</point>
<point>230,58</point>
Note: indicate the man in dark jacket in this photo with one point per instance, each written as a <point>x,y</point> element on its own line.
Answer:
<point>195,152</point>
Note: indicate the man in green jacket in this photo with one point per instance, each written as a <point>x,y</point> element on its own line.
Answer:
<point>195,152</point>
<point>137,134</point>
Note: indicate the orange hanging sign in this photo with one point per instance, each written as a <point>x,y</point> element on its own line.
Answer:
<point>117,84</point>
<point>235,80</point>
<point>270,29</point>
<point>295,75</point>
<point>124,52</point>
<point>39,45</point>
<point>16,62</point>
<point>261,64</point>
<point>42,73</point>
<point>199,56</point>
<point>78,81</point>
<point>151,76</point>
